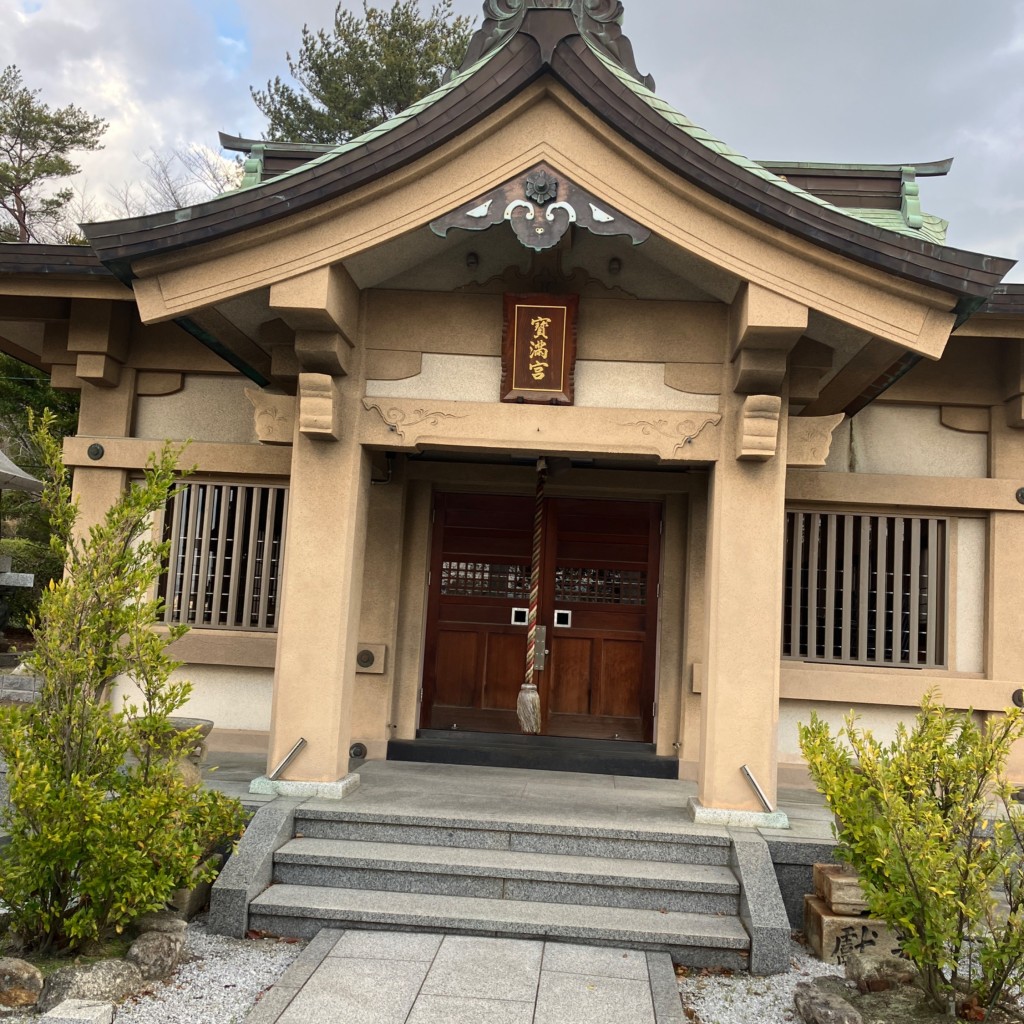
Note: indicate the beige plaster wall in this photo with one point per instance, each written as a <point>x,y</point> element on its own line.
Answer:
<point>234,698</point>
<point>207,408</point>
<point>906,440</point>
<point>881,720</point>
<point>599,384</point>
<point>623,385</point>
<point>450,377</point>
<point>968,614</point>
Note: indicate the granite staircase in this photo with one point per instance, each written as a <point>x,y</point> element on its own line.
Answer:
<point>328,867</point>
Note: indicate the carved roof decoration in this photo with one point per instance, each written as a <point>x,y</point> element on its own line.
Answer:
<point>599,23</point>
<point>541,207</point>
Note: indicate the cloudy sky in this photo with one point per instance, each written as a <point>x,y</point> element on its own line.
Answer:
<point>880,80</point>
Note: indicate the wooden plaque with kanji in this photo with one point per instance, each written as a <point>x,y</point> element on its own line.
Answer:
<point>538,362</point>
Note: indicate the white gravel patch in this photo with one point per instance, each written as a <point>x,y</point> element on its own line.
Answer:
<point>741,999</point>
<point>219,984</point>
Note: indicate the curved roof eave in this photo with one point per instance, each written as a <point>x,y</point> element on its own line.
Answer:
<point>620,102</point>
<point>45,258</point>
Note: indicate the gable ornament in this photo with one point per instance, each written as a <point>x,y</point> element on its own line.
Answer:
<point>540,207</point>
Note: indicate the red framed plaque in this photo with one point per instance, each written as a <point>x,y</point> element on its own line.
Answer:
<point>538,355</point>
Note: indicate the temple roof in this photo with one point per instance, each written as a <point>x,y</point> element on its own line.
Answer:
<point>579,43</point>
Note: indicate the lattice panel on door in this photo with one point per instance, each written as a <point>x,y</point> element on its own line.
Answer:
<point>600,586</point>
<point>485,579</point>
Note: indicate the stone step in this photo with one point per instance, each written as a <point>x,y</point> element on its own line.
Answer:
<point>509,875</point>
<point>696,940</point>
<point>687,845</point>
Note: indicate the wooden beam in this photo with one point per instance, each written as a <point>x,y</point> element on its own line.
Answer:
<point>882,489</point>
<point>225,459</point>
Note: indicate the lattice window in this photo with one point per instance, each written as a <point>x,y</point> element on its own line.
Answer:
<point>865,589</point>
<point>485,579</point>
<point>601,586</point>
<point>226,547</point>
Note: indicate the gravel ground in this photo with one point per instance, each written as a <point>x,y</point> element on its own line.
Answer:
<point>219,984</point>
<point>711,997</point>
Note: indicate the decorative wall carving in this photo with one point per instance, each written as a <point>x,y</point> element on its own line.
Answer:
<point>273,416</point>
<point>541,206</point>
<point>810,440</point>
<point>407,424</point>
<point>681,432</point>
<point>758,436</point>
<point>400,420</point>
<point>319,408</point>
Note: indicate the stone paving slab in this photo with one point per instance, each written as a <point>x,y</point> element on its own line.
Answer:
<point>416,978</point>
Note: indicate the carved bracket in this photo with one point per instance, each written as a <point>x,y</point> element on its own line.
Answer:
<point>541,206</point>
<point>273,416</point>
<point>319,407</point>
<point>758,436</point>
<point>810,440</point>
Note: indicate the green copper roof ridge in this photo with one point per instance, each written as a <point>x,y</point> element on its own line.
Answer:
<point>711,142</point>
<point>930,168</point>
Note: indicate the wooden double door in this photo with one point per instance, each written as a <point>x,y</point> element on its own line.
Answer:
<point>598,603</point>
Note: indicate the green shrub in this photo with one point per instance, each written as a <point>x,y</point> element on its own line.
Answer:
<point>38,559</point>
<point>102,825</point>
<point>914,823</point>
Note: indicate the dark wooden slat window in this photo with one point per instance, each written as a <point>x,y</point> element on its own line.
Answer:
<point>226,548</point>
<point>865,589</point>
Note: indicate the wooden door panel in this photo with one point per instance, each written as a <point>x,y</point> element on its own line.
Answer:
<point>458,656</point>
<point>599,561</point>
<point>504,670</point>
<point>571,665</point>
<point>621,679</point>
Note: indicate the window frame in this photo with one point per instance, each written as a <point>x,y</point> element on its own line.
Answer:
<point>246,592</point>
<point>856,618</point>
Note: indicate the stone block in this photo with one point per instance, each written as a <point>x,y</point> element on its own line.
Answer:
<point>21,983</point>
<point>81,1011</point>
<point>833,937</point>
<point>105,980</point>
<point>761,908</point>
<point>839,889</point>
<point>248,871</point>
<point>156,954</point>
<point>817,1006</point>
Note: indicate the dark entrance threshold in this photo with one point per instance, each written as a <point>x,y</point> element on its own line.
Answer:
<point>547,753</point>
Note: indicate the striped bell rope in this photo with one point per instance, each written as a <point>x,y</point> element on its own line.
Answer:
<point>528,704</point>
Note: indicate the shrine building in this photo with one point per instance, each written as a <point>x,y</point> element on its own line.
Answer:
<point>541,384</point>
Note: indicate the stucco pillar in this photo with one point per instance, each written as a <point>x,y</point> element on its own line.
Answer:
<point>744,556</point>
<point>1005,619</point>
<point>322,585</point>
<point>103,412</point>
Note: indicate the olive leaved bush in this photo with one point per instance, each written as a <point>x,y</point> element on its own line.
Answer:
<point>102,825</point>
<point>915,820</point>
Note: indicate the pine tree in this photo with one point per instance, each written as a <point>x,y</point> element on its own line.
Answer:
<point>363,72</point>
<point>35,146</point>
